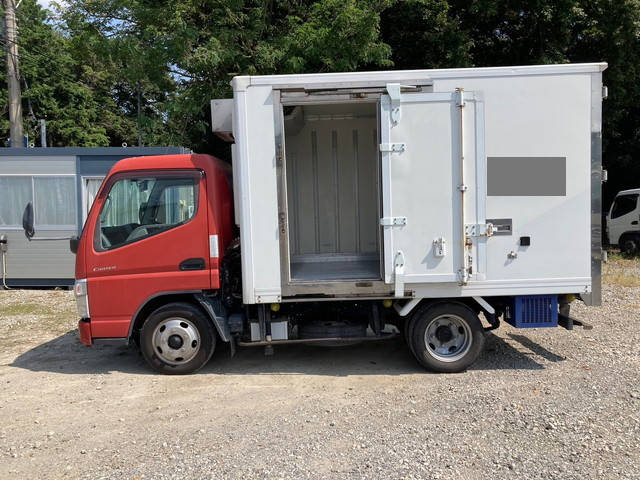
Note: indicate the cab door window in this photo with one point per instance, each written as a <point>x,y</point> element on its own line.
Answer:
<point>624,204</point>
<point>138,208</point>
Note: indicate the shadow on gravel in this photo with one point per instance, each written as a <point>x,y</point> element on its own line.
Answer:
<point>535,348</point>
<point>500,354</point>
<point>67,355</point>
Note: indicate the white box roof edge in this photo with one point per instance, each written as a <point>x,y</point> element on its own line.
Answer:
<point>240,83</point>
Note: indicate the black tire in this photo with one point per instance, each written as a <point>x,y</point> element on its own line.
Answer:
<point>629,245</point>
<point>188,323</point>
<point>409,323</point>
<point>456,334</point>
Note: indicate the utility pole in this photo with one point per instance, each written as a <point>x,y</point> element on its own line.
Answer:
<point>13,74</point>
<point>43,132</point>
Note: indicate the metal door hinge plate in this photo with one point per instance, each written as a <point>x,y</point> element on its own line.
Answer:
<point>393,89</point>
<point>393,147</point>
<point>478,230</point>
<point>463,276</point>
<point>393,221</point>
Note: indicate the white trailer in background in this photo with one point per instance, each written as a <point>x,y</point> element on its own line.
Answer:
<point>61,184</point>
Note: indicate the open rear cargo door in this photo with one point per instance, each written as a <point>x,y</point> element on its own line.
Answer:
<point>429,156</point>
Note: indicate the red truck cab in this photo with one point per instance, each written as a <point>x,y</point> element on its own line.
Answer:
<point>158,229</point>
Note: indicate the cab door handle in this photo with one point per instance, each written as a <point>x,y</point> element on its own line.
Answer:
<point>635,222</point>
<point>192,264</point>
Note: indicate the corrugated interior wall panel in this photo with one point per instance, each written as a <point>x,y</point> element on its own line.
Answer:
<point>332,187</point>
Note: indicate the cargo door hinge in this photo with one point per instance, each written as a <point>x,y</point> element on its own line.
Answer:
<point>393,89</point>
<point>604,175</point>
<point>478,230</point>
<point>279,155</point>
<point>463,276</point>
<point>393,147</point>
<point>398,273</point>
<point>393,221</point>
<point>282,223</point>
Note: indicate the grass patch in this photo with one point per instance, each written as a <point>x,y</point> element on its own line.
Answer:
<point>622,280</point>
<point>24,309</point>
<point>617,256</point>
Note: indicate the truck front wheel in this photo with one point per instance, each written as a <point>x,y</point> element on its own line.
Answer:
<point>629,245</point>
<point>447,337</point>
<point>177,339</point>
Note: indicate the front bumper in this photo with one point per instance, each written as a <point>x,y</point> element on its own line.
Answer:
<point>84,328</point>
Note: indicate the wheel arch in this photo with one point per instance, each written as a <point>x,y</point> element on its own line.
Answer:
<point>628,234</point>
<point>429,302</point>
<point>158,300</point>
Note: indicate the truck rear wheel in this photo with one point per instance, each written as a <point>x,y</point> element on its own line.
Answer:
<point>447,337</point>
<point>177,339</point>
<point>629,245</point>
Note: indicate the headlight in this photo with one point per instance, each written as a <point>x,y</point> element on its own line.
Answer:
<point>82,297</point>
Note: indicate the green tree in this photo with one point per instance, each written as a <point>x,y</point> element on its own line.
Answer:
<point>178,55</point>
<point>54,86</point>
<point>425,34</point>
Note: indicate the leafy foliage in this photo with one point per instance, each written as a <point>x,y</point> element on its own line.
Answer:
<point>104,72</point>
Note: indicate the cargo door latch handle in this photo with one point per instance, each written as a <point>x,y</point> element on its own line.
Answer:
<point>398,270</point>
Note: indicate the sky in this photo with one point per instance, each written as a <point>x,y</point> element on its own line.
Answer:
<point>46,3</point>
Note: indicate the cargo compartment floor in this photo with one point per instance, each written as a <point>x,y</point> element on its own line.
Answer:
<point>335,270</point>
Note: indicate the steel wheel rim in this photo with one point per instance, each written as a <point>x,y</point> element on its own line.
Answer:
<point>448,338</point>
<point>176,340</point>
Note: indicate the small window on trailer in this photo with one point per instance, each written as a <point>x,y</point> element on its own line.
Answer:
<point>17,192</point>
<point>53,199</point>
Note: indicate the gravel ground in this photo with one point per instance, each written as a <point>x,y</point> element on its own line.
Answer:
<point>539,404</point>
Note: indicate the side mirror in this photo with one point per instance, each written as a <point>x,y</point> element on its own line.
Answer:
<point>73,244</point>
<point>27,221</point>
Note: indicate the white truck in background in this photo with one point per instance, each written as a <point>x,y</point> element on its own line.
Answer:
<point>623,218</point>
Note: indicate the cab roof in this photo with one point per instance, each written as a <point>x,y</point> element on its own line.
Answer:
<point>630,191</point>
<point>168,162</point>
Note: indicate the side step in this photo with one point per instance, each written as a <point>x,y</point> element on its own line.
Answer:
<point>386,336</point>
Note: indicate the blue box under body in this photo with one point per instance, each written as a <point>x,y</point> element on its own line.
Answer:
<point>532,311</point>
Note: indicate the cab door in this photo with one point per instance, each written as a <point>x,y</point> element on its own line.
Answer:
<point>624,216</point>
<point>151,237</point>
